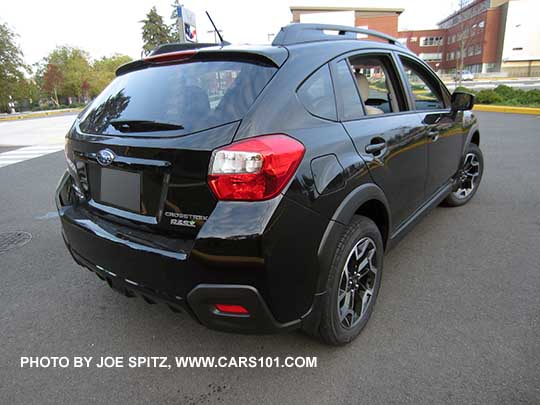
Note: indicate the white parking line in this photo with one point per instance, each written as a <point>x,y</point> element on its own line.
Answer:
<point>26,153</point>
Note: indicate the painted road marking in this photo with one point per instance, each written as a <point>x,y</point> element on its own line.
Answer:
<point>26,153</point>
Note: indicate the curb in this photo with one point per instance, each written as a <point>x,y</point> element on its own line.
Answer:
<point>507,109</point>
<point>39,114</point>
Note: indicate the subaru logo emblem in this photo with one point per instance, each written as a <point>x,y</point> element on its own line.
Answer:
<point>105,157</point>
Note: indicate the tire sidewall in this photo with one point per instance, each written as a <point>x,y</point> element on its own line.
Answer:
<point>360,227</point>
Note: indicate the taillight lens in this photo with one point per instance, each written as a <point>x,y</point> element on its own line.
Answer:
<point>254,169</point>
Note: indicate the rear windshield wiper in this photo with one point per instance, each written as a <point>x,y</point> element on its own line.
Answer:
<point>144,126</point>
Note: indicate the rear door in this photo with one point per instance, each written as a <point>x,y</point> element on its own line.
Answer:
<point>444,134</point>
<point>373,110</point>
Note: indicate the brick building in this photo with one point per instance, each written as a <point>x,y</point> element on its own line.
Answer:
<point>379,19</point>
<point>484,36</point>
<point>428,44</point>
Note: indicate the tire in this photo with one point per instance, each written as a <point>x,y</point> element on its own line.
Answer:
<point>362,235</point>
<point>468,172</point>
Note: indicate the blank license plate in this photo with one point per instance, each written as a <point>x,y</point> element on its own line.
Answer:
<point>121,189</point>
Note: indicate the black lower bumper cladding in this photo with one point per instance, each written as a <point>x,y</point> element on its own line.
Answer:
<point>200,302</point>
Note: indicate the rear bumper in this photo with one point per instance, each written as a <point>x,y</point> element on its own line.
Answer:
<point>219,266</point>
<point>200,302</point>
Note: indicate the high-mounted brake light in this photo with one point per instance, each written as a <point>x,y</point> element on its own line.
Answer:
<point>171,56</point>
<point>254,169</point>
<point>232,309</point>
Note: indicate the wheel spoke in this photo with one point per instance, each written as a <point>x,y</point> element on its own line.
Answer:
<point>360,249</point>
<point>365,300</point>
<point>356,284</point>
<point>469,172</point>
<point>342,294</point>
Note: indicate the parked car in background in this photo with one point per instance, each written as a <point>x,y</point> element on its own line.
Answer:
<point>466,75</point>
<point>258,187</point>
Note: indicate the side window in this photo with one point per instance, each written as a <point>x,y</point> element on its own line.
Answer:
<point>317,94</point>
<point>426,91</point>
<point>346,92</point>
<point>376,83</point>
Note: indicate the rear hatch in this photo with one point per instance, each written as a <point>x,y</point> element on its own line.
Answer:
<point>140,152</point>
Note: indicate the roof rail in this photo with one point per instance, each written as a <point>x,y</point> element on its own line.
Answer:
<point>298,33</point>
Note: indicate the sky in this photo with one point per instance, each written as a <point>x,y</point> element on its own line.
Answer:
<point>105,27</point>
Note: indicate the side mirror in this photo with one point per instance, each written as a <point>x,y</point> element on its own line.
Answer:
<point>461,101</point>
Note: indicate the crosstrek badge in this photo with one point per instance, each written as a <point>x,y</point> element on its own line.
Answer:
<point>188,220</point>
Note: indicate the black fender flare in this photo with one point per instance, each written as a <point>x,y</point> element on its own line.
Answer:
<point>330,240</point>
<point>474,129</point>
<point>339,221</point>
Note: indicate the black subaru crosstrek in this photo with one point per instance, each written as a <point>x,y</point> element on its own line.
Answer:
<point>258,187</point>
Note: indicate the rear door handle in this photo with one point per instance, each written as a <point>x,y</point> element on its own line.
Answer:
<point>375,147</point>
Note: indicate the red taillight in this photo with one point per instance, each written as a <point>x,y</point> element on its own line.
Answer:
<point>232,309</point>
<point>254,169</point>
<point>171,56</point>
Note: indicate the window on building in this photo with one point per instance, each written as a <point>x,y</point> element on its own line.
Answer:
<point>431,57</point>
<point>470,51</point>
<point>478,49</point>
<point>481,24</point>
<point>431,41</point>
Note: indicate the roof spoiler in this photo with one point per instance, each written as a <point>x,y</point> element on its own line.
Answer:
<point>300,33</point>
<point>178,47</point>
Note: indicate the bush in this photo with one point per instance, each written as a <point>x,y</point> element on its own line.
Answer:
<point>506,92</point>
<point>505,95</point>
<point>488,97</point>
<point>465,89</point>
<point>531,97</point>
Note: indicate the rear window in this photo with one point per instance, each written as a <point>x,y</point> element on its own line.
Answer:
<point>182,98</point>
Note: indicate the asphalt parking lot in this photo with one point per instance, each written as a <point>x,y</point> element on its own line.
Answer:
<point>457,320</point>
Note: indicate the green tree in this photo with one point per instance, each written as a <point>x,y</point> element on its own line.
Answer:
<point>104,71</point>
<point>154,31</point>
<point>73,64</point>
<point>12,66</point>
<point>53,80</point>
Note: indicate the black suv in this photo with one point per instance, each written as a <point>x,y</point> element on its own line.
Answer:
<point>257,188</point>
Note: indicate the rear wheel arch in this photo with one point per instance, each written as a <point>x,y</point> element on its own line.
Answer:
<point>367,200</point>
<point>376,211</point>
